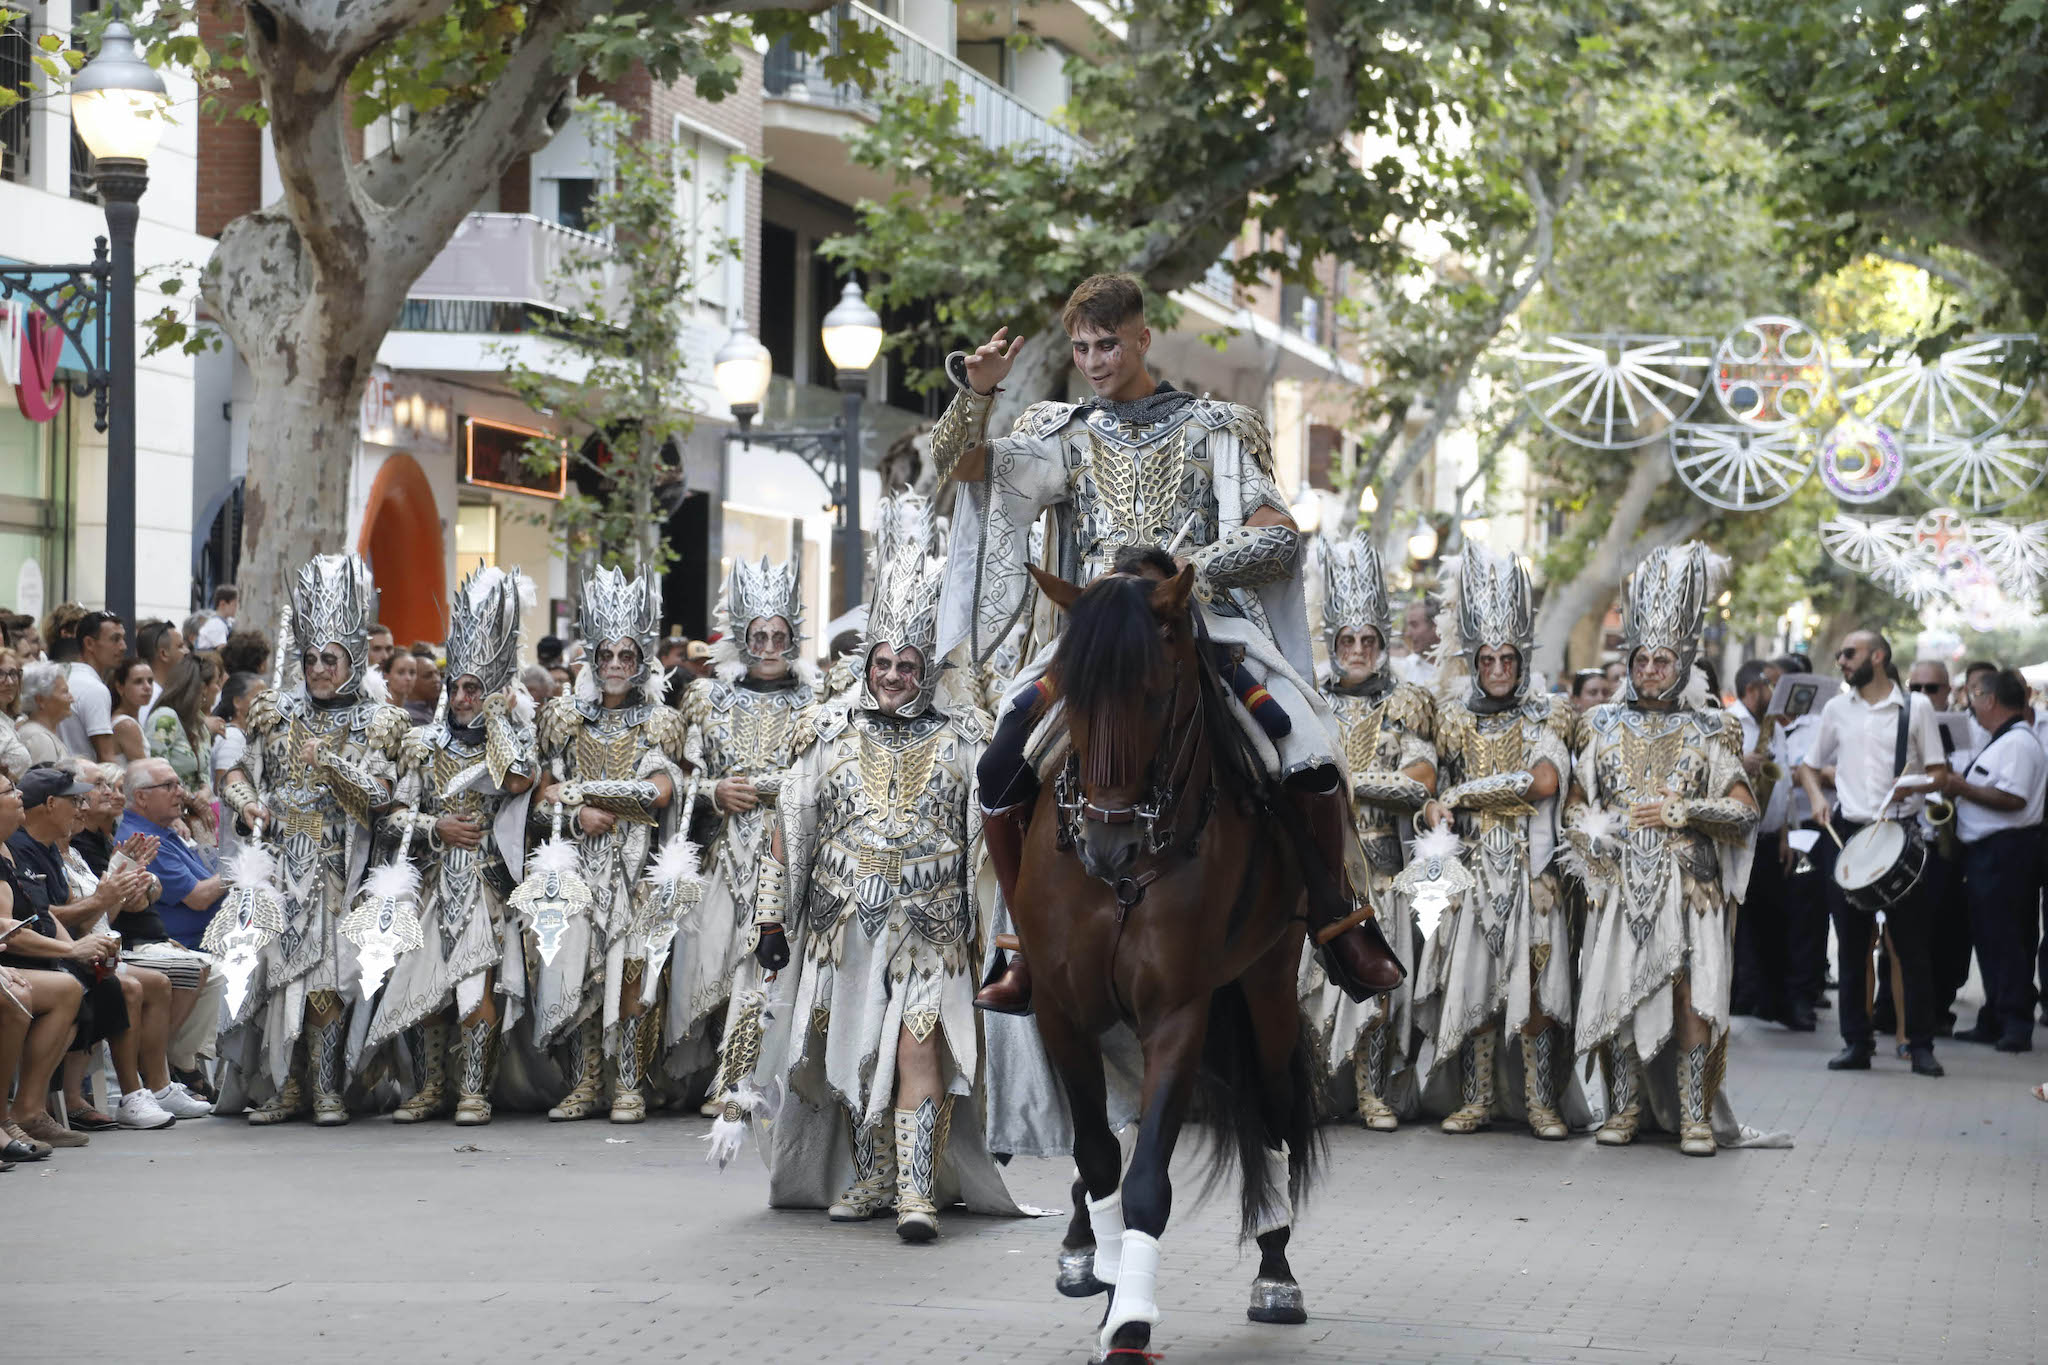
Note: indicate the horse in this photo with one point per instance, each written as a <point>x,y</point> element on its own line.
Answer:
<point>1161,888</point>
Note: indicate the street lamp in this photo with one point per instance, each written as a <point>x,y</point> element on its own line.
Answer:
<point>117,106</point>
<point>1422,545</point>
<point>852,333</point>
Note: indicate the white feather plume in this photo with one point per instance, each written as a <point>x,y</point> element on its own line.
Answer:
<point>395,881</point>
<point>677,862</point>
<point>1600,823</point>
<point>376,687</point>
<point>519,702</point>
<point>1439,842</point>
<point>555,856</point>
<point>727,1135</point>
<point>251,865</point>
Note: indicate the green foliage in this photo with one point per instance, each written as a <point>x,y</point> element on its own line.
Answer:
<point>1922,125</point>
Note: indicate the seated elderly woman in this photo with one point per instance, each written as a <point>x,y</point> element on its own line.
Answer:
<point>44,705</point>
<point>134,1017</point>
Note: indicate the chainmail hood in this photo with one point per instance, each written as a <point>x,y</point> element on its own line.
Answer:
<point>334,600</point>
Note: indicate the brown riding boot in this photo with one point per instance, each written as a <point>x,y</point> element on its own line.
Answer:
<point>1009,990</point>
<point>1355,953</point>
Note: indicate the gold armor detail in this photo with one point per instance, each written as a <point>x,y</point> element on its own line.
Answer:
<point>1138,489</point>
<point>893,780</point>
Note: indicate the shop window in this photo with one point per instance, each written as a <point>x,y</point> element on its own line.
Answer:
<point>476,538</point>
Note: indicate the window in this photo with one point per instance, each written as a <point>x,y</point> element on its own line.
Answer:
<point>16,73</point>
<point>572,202</point>
<point>476,538</point>
<point>711,201</point>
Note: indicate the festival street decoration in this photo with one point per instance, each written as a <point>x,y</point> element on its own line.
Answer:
<point>1942,557</point>
<point>1787,402</point>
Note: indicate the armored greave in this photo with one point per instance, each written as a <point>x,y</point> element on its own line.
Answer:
<point>1370,1064</point>
<point>430,1046</point>
<point>874,1169</point>
<point>628,1104</point>
<point>479,1069</point>
<point>1475,1060</point>
<point>285,1104</point>
<point>920,1145</point>
<point>1698,1079</point>
<point>329,1073</point>
<point>1624,1104</point>
<point>586,1074</point>
<point>1539,1088</point>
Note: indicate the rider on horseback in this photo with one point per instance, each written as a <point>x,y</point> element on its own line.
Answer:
<point>1143,465</point>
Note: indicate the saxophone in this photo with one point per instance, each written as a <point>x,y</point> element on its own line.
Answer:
<point>1771,773</point>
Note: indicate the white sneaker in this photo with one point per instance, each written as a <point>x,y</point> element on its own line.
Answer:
<point>182,1103</point>
<point>139,1109</point>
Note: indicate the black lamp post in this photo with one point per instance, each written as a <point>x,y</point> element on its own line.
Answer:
<point>117,107</point>
<point>852,333</point>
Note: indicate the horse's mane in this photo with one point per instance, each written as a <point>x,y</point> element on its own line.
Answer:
<point>1110,657</point>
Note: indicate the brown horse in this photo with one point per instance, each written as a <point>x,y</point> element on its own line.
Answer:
<point>1160,889</point>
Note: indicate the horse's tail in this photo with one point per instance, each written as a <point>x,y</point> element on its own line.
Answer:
<point>1229,1103</point>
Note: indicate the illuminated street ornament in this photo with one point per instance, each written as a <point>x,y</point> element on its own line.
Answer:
<point>1942,557</point>
<point>1983,473</point>
<point>1770,372</point>
<point>1739,469</point>
<point>552,894</point>
<point>385,925</point>
<point>250,918</point>
<point>1434,879</point>
<point>1972,389</point>
<point>1860,462</point>
<point>1614,391</point>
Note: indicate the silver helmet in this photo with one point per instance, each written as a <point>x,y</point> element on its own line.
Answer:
<point>903,605</point>
<point>758,592</point>
<point>1664,606</point>
<point>483,628</point>
<point>334,600</point>
<point>615,607</point>
<point>1355,592</point>
<point>1494,609</point>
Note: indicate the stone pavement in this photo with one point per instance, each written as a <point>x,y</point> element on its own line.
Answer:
<point>1906,1226</point>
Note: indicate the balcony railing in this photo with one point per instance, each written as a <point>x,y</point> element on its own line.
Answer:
<point>496,269</point>
<point>1218,284</point>
<point>992,114</point>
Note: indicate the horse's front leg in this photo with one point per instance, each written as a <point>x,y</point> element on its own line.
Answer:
<point>1173,1055</point>
<point>1088,1256</point>
<point>1290,1129</point>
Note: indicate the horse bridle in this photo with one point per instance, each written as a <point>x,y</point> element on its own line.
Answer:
<point>1156,816</point>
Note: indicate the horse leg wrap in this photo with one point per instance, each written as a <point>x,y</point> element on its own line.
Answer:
<point>1106,1218</point>
<point>1137,1281</point>
<point>1276,1209</point>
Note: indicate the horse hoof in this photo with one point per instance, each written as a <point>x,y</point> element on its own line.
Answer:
<point>1276,1301</point>
<point>1077,1274</point>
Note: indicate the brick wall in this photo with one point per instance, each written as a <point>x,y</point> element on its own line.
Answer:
<point>230,148</point>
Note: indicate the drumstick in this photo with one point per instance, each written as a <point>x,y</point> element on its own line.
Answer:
<point>1831,833</point>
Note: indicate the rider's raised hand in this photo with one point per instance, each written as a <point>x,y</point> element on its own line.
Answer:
<point>989,365</point>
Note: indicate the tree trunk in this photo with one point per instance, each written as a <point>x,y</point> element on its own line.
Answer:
<point>1620,547</point>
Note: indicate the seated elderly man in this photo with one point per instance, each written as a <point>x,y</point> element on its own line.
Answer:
<point>162,933</point>
<point>41,1008</point>
<point>134,1018</point>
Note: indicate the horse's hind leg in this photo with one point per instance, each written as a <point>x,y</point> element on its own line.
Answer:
<point>1173,1053</point>
<point>1086,1268</point>
<point>1276,1029</point>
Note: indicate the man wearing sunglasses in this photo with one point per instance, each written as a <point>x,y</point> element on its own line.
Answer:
<point>1872,735</point>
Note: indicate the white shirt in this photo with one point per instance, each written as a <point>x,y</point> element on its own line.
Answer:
<point>2014,764</point>
<point>92,711</point>
<point>1861,740</point>
<point>1781,795</point>
<point>1797,739</point>
<point>214,633</point>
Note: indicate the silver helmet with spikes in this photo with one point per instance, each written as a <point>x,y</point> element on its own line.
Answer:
<point>760,592</point>
<point>483,628</point>
<point>1495,609</point>
<point>615,607</point>
<point>903,606</point>
<point>1355,592</point>
<point>334,600</point>
<point>1664,606</point>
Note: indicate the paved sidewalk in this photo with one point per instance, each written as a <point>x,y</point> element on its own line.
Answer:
<point>1906,1226</point>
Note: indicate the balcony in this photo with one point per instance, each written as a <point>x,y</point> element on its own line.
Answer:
<point>497,271</point>
<point>990,113</point>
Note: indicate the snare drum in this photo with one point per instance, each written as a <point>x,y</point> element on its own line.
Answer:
<point>1880,865</point>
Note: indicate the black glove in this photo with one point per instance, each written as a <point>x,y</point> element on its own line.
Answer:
<point>772,952</point>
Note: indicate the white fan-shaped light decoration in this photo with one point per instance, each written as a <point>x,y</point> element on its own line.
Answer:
<point>2016,552</point>
<point>1982,473</point>
<point>1738,468</point>
<point>1970,390</point>
<point>1869,545</point>
<point>1613,391</point>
